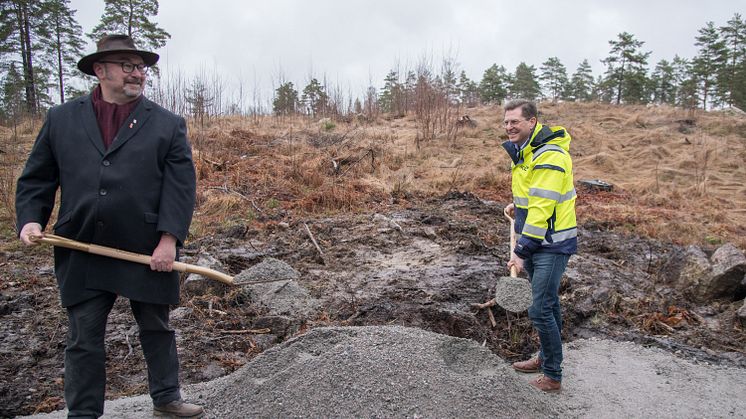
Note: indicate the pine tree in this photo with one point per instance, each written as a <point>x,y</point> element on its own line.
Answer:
<point>392,98</point>
<point>524,84</point>
<point>554,78</point>
<point>664,83</point>
<point>581,84</point>
<point>732,86</point>
<point>686,84</point>
<point>603,89</point>
<point>12,105</point>
<point>314,98</point>
<point>25,35</point>
<point>67,42</point>
<point>448,82</point>
<point>468,90</point>
<point>7,29</point>
<point>408,92</point>
<point>709,64</point>
<point>199,99</point>
<point>286,99</point>
<point>131,17</point>
<point>493,87</point>
<point>626,69</point>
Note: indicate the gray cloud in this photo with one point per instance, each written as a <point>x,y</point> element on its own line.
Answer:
<point>351,42</point>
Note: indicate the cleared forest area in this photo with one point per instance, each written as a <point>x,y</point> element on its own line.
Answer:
<point>409,231</point>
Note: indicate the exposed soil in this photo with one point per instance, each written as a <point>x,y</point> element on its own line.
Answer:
<point>421,263</point>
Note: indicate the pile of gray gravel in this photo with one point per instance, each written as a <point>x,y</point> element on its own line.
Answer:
<point>374,372</point>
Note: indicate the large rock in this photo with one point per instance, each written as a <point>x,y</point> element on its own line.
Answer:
<point>718,277</point>
<point>728,269</point>
<point>196,284</point>
<point>696,268</point>
<point>282,297</point>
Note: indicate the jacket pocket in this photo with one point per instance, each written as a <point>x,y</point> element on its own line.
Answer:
<point>151,218</point>
<point>62,220</point>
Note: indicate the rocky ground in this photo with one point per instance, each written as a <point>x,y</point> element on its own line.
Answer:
<point>422,265</point>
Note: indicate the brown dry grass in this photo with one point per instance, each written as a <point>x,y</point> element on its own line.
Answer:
<point>678,175</point>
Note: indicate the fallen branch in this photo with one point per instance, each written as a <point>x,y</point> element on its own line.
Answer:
<point>489,303</point>
<point>351,163</point>
<point>492,318</point>
<point>308,230</point>
<point>247,331</point>
<point>129,345</point>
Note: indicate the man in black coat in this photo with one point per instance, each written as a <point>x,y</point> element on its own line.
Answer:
<point>124,169</point>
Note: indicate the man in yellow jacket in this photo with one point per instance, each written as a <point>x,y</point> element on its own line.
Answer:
<point>544,210</point>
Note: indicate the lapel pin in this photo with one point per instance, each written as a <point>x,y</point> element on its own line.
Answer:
<point>134,121</point>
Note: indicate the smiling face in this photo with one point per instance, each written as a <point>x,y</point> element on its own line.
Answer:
<point>116,85</point>
<point>517,126</point>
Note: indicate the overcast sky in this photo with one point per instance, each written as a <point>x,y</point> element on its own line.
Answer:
<point>351,42</point>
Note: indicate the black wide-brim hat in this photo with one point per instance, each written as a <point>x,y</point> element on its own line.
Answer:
<point>114,44</point>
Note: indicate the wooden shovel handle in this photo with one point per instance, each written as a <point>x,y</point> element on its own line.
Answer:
<point>129,256</point>
<point>513,269</point>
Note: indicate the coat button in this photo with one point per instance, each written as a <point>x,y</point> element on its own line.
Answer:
<point>102,192</point>
<point>106,163</point>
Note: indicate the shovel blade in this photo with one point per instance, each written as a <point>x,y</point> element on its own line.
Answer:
<point>513,294</point>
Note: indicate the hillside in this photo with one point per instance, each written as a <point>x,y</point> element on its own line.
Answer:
<point>410,232</point>
<point>678,174</point>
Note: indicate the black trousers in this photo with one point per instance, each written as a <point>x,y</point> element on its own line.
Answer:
<point>85,354</point>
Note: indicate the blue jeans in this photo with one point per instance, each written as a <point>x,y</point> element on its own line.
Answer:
<point>545,271</point>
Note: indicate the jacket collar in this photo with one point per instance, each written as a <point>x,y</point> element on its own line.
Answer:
<point>131,126</point>
<point>543,135</point>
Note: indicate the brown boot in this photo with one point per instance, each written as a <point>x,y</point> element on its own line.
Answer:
<point>179,409</point>
<point>545,383</point>
<point>532,365</point>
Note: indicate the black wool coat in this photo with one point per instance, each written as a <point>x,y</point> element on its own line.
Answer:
<point>124,197</point>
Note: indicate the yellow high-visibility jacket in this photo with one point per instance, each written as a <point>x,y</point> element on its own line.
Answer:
<point>544,193</point>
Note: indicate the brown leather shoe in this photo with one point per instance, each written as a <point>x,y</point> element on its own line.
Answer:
<point>532,365</point>
<point>179,409</point>
<point>545,383</point>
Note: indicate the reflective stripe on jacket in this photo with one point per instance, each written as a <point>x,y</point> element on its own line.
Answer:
<point>544,193</point>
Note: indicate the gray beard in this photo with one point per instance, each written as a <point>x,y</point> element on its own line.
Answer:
<point>132,92</point>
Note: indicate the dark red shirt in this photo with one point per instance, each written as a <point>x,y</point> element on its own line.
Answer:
<point>110,116</point>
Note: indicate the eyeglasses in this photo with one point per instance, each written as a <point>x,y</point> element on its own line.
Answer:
<point>128,67</point>
<point>514,122</point>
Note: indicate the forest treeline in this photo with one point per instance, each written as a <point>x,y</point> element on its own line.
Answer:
<point>41,41</point>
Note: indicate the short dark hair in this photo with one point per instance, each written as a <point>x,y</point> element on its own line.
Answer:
<point>528,108</point>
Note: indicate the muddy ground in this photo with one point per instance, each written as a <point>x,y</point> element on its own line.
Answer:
<point>422,263</point>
